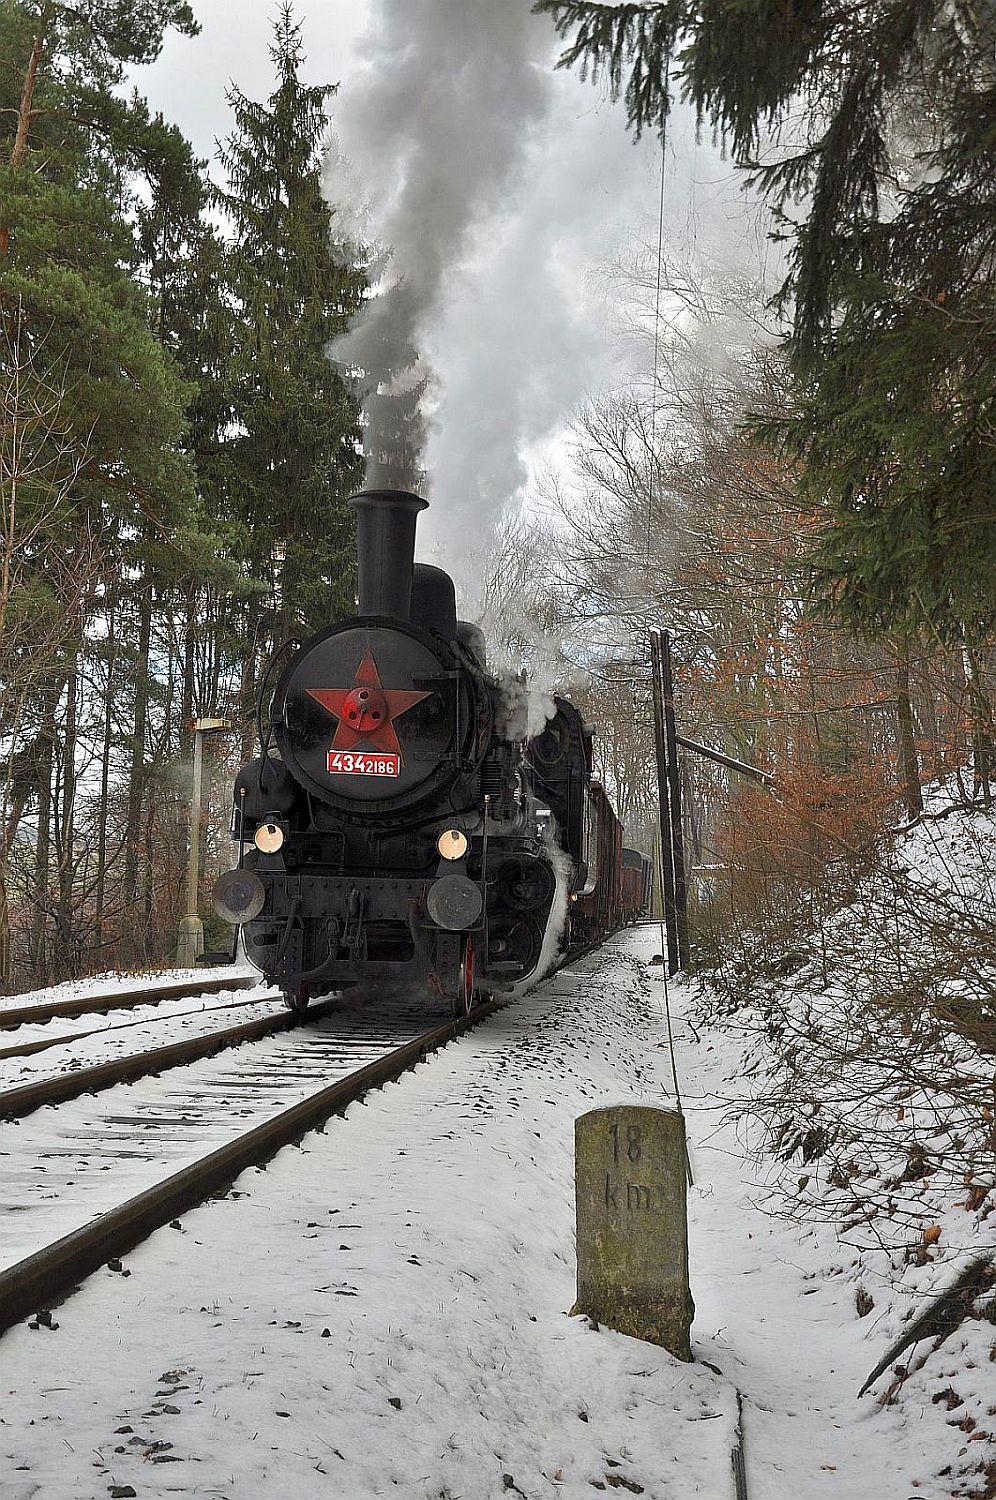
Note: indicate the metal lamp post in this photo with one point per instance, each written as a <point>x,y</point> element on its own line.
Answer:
<point>190,943</point>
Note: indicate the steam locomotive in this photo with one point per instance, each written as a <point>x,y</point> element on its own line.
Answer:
<point>400,826</point>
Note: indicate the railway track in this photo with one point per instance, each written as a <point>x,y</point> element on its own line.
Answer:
<point>21,1049</point>
<point>124,999</point>
<point>56,1089</point>
<point>87,1181</point>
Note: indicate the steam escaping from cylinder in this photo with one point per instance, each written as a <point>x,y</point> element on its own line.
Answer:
<point>551,953</point>
<point>527,706</point>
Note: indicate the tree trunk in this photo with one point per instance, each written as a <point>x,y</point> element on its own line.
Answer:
<point>137,778</point>
<point>105,777</point>
<point>187,693</point>
<point>68,950</point>
<point>982,727</point>
<point>43,846</point>
<point>5,960</point>
<point>26,112</point>
<point>214,656</point>
<point>150,947</point>
<point>9,834</point>
<point>909,763</point>
<point>247,702</point>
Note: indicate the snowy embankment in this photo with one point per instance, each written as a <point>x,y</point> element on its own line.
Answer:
<point>384,1310</point>
<point>36,1050</point>
<point>870,1068</point>
<point>92,1039</point>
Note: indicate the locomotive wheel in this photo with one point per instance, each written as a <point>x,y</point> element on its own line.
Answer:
<point>299,999</point>
<point>515,939</point>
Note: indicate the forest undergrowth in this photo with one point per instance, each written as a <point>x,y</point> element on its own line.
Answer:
<point>868,1005</point>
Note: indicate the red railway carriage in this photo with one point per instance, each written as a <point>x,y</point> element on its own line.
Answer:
<point>635,885</point>
<point>597,911</point>
<point>617,891</point>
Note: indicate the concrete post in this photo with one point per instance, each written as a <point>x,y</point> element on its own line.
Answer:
<point>190,944</point>
<point>190,941</point>
<point>632,1229</point>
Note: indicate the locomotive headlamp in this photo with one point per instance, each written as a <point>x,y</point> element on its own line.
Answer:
<point>269,836</point>
<point>452,844</point>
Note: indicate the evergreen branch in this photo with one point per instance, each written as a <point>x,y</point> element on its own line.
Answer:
<point>610,36</point>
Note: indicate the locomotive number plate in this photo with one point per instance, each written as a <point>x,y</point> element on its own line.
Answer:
<point>360,763</point>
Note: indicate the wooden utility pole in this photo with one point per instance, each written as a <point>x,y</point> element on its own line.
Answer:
<point>674,798</point>
<point>664,810</point>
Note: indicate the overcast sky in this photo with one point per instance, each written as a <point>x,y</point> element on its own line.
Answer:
<point>525,324</point>
<point>190,79</point>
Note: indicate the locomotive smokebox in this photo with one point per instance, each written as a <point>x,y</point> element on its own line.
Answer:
<point>385,550</point>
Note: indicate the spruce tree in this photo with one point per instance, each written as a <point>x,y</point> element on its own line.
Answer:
<point>292,456</point>
<point>886,194</point>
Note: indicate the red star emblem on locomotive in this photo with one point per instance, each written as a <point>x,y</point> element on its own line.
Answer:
<point>366,712</point>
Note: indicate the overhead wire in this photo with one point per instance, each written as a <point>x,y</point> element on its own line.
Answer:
<point>655,373</point>
<point>651,487</point>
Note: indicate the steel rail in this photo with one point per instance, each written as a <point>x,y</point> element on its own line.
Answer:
<point>28,1049</point>
<point>21,1015</point>
<point>20,1101</point>
<point>51,1274</point>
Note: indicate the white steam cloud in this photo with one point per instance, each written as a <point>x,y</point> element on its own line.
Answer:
<point>435,124</point>
<point>493,187</point>
<point>527,706</point>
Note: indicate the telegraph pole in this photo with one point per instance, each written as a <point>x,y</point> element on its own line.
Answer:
<point>674,797</point>
<point>664,810</point>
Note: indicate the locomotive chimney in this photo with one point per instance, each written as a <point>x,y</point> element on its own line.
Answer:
<point>385,550</point>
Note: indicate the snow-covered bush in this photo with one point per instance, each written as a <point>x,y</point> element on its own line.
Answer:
<point>876,1024</point>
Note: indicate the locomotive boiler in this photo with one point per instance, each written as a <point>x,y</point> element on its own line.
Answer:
<point>399,826</point>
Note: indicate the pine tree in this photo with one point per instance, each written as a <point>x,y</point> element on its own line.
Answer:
<point>78,346</point>
<point>71,155</point>
<point>293,455</point>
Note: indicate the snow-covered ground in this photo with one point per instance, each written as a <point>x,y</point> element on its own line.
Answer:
<point>100,1036</point>
<point>868,1059</point>
<point>384,1310</point>
<point>64,1166</point>
<point>112,983</point>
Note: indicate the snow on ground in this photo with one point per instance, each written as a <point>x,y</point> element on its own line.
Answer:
<point>776,1308</point>
<point>102,1036</point>
<point>112,982</point>
<point>384,1309</point>
<point>881,1104</point>
<point>64,1166</point>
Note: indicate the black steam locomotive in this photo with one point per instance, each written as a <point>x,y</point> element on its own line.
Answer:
<point>399,825</point>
